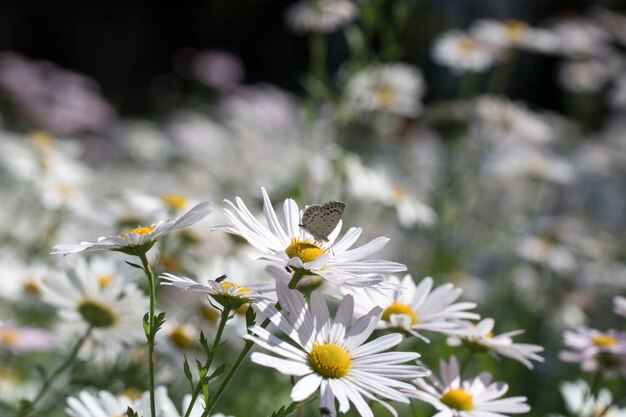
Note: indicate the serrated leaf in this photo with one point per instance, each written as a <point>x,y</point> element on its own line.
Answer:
<point>217,372</point>
<point>250,317</point>
<point>146,325</point>
<point>187,370</point>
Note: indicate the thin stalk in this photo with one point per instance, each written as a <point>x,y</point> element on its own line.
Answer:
<point>317,52</point>
<point>466,361</point>
<point>211,355</point>
<point>62,367</point>
<point>299,273</point>
<point>151,329</point>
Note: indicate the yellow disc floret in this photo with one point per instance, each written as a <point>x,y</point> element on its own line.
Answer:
<point>9,336</point>
<point>142,230</point>
<point>175,201</point>
<point>458,399</point>
<point>303,249</point>
<point>104,279</point>
<point>399,308</point>
<point>97,314</point>
<point>329,360</point>
<point>515,29</point>
<point>239,288</point>
<point>386,96</point>
<point>604,340</point>
<point>181,337</point>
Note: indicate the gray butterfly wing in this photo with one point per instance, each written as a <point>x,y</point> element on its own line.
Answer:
<point>321,219</point>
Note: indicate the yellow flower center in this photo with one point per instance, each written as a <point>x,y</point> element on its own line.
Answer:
<point>239,288</point>
<point>303,249</point>
<point>604,340</point>
<point>515,29</point>
<point>468,46</point>
<point>458,399</point>
<point>142,230</point>
<point>132,393</point>
<point>242,310</point>
<point>170,263</point>
<point>175,201</point>
<point>329,360</point>
<point>386,96</point>
<point>41,139</point>
<point>97,314</point>
<point>104,280</point>
<point>9,336</point>
<point>209,313</point>
<point>398,194</point>
<point>399,308</point>
<point>182,337</point>
<point>31,286</point>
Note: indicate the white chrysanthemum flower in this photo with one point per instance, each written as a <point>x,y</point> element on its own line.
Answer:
<point>500,120</point>
<point>518,161</point>
<point>416,308</point>
<point>581,402</point>
<point>462,52</point>
<point>224,292</point>
<point>21,339</point>
<point>514,33</point>
<point>547,251</point>
<point>113,310</point>
<point>618,93</point>
<point>584,75</point>
<point>578,37</point>
<point>394,88</point>
<point>596,350</point>
<point>481,338</point>
<point>330,355</point>
<point>478,397</point>
<point>376,184</point>
<point>107,404</point>
<point>140,238</point>
<point>322,16</point>
<point>285,243</point>
<point>619,305</point>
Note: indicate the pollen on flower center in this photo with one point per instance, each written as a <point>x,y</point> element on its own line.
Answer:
<point>104,280</point>
<point>468,46</point>
<point>515,29</point>
<point>142,230</point>
<point>386,96</point>
<point>604,340</point>
<point>458,399</point>
<point>399,308</point>
<point>97,314</point>
<point>238,288</point>
<point>303,249</point>
<point>181,337</point>
<point>329,360</point>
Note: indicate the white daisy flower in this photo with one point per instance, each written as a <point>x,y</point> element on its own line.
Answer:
<point>105,403</point>
<point>584,75</point>
<point>330,355</point>
<point>20,339</point>
<point>224,292</point>
<point>581,402</point>
<point>478,397</point>
<point>415,308</point>
<point>321,16</point>
<point>394,88</point>
<point>113,310</point>
<point>462,52</point>
<point>481,338</point>
<point>140,238</point>
<point>514,33</point>
<point>596,350</point>
<point>619,305</point>
<point>286,244</point>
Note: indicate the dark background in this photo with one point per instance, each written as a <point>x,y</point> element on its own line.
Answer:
<point>128,46</point>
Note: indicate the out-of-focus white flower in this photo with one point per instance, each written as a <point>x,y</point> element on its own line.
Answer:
<point>481,337</point>
<point>512,161</point>
<point>514,33</point>
<point>584,75</point>
<point>395,88</point>
<point>217,69</point>
<point>462,52</point>
<point>544,250</point>
<point>478,397</point>
<point>140,238</point>
<point>330,355</point>
<point>596,350</point>
<point>619,305</point>
<point>415,308</point>
<point>284,243</point>
<point>320,15</point>
<point>376,184</point>
<point>20,339</point>
<point>499,120</point>
<point>111,309</point>
<point>581,402</point>
<point>579,37</point>
<point>618,93</point>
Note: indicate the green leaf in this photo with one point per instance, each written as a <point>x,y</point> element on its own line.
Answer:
<point>219,370</point>
<point>250,317</point>
<point>134,265</point>
<point>146,325</point>
<point>187,370</point>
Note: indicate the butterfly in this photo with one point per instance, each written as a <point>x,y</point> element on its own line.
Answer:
<point>321,219</point>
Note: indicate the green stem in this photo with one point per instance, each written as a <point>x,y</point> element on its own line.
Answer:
<point>299,273</point>
<point>317,51</point>
<point>502,74</point>
<point>466,361</point>
<point>151,329</point>
<point>595,383</point>
<point>211,355</point>
<point>68,361</point>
